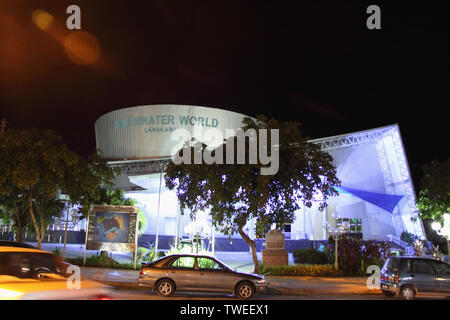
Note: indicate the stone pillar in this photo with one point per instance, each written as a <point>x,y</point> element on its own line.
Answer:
<point>274,254</point>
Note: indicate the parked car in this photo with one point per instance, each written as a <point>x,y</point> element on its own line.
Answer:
<point>30,263</point>
<point>189,272</point>
<point>411,276</point>
<point>6,243</point>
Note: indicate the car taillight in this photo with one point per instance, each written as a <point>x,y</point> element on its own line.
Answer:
<point>396,278</point>
<point>103,297</point>
<point>141,272</point>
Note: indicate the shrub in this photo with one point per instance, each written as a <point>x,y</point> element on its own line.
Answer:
<point>143,254</point>
<point>408,237</point>
<point>349,255</point>
<point>355,256</point>
<point>310,256</point>
<point>300,270</point>
<point>102,261</point>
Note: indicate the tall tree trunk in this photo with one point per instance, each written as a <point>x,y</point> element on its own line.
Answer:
<point>19,228</point>
<point>33,219</point>
<point>252,245</point>
<point>41,233</point>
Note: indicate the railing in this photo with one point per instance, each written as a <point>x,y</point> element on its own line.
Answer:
<point>397,241</point>
<point>49,236</point>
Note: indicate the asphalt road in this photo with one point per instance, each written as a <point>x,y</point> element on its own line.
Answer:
<point>143,294</point>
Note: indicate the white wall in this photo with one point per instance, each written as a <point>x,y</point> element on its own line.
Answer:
<point>118,138</point>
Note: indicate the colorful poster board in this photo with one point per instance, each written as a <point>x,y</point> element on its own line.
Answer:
<point>112,228</point>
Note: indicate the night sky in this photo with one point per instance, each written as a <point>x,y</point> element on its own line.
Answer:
<point>314,62</point>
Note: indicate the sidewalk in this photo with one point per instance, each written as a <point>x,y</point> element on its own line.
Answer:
<point>277,285</point>
<point>319,286</point>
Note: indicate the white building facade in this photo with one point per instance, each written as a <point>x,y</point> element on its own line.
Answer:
<point>376,197</point>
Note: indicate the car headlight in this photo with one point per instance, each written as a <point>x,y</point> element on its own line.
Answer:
<point>9,294</point>
<point>262,281</point>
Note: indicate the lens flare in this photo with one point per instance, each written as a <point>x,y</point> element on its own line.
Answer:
<point>42,19</point>
<point>82,47</point>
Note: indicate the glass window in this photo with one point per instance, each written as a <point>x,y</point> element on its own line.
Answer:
<point>421,266</point>
<point>441,268</point>
<point>287,227</point>
<point>184,263</point>
<point>393,264</point>
<point>15,264</point>
<point>354,224</point>
<point>207,263</point>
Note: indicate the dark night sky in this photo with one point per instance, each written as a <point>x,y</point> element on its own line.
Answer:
<point>314,62</point>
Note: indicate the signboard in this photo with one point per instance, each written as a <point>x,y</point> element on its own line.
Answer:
<point>112,228</point>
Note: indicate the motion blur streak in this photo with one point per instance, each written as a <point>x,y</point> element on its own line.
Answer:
<point>9,294</point>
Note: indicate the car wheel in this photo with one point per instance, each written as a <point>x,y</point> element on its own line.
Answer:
<point>245,290</point>
<point>388,293</point>
<point>165,287</point>
<point>38,273</point>
<point>407,293</point>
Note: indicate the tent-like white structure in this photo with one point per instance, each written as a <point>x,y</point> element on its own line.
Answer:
<point>377,194</point>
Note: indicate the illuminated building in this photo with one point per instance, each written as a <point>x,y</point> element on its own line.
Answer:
<point>376,197</point>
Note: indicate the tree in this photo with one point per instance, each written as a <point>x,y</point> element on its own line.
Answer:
<point>35,164</point>
<point>13,211</point>
<point>81,183</point>
<point>434,196</point>
<point>237,193</point>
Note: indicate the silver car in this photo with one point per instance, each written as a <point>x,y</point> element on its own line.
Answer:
<point>189,272</point>
<point>411,276</point>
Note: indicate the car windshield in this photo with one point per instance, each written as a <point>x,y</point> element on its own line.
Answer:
<point>392,264</point>
<point>226,266</point>
<point>156,261</point>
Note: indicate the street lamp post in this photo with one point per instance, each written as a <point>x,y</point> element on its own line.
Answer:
<point>336,233</point>
<point>197,228</point>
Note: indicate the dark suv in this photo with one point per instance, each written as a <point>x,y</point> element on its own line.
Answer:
<point>411,276</point>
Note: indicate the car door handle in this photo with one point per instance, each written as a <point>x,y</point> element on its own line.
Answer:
<point>173,272</point>
<point>202,274</point>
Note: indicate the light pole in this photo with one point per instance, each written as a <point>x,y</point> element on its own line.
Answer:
<point>443,231</point>
<point>163,166</point>
<point>336,233</point>
<point>198,228</point>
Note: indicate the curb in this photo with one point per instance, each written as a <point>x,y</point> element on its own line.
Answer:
<point>270,291</point>
<point>298,292</point>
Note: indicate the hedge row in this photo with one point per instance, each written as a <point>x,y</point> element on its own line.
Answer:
<point>300,270</point>
<point>101,262</point>
<point>310,256</point>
